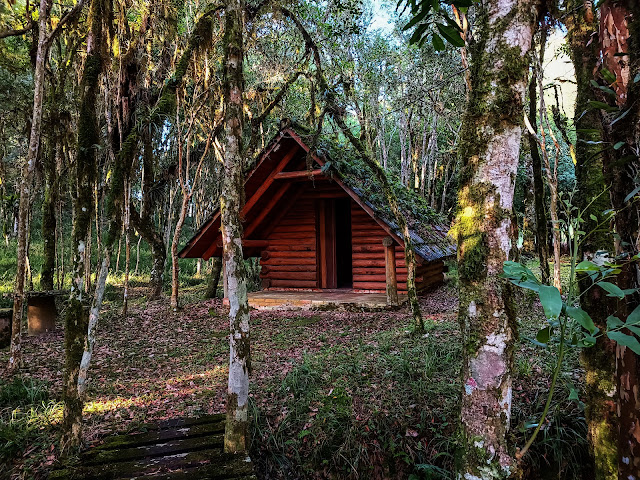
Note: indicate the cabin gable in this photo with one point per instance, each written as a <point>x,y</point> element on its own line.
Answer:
<point>310,230</point>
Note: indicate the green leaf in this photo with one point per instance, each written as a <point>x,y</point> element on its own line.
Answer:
<point>536,342</point>
<point>426,7</point>
<point>593,217</point>
<point>636,78</point>
<point>613,322</point>
<point>418,33</point>
<point>438,43</point>
<point>587,266</point>
<point>625,340</point>
<point>583,319</point>
<point>618,145</point>
<point>451,35</point>
<point>635,330</point>
<point>573,394</point>
<point>544,335</point>
<point>632,194</point>
<point>614,290</point>
<point>587,341</point>
<point>593,104</point>
<point>620,117</point>
<point>607,75</point>
<point>551,301</point>
<point>634,317</point>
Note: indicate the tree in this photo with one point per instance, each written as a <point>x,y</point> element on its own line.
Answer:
<point>620,79</point>
<point>88,140</point>
<point>231,202</point>
<point>599,360</point>
<point>490,147</point>
<point>43,43</point>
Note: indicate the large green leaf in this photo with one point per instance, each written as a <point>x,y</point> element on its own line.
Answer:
<point>451,35</point>
<point>625,340</point>
<point>613,290</point>
<point>634,317</point>
<point>438,43</point>
<point>587,266</point>
<point>551,301</point>
<point>583,319</point>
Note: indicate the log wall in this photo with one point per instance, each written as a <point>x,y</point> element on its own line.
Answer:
<point>369,273</point>
<point>291,259</point>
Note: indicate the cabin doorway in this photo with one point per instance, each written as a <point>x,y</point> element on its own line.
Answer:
<point>334,243</point>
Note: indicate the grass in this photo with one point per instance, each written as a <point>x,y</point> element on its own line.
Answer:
<point>27,418</point>
<point>334,395</point>
<point>365,408</point>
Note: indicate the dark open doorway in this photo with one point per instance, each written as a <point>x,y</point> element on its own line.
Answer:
<point>334,243</point>
<point>344,276</point>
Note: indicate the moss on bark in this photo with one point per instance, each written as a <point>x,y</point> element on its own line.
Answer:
<point>490,144</point>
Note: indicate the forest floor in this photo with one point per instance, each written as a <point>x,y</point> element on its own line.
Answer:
<point>334,394</point>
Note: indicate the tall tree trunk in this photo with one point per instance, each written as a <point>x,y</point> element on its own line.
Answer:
<point>231,201</point>
<point>599,360</point>
<point>542,227</point>
<point>620,35</point>
<point>490,147</point>
<point>175,267</point>
<point>49,226</point>
<point>76,319</point>
<point>214,278</point>
<point>146,229</point>
<point>15,357</point>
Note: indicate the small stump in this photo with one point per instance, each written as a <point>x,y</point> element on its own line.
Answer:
<point>41,312</point>
<point>6,317</point>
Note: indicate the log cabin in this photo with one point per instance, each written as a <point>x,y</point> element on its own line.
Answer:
<point>313,229</point>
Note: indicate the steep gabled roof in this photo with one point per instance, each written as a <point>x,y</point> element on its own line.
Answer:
<point>285,157</point>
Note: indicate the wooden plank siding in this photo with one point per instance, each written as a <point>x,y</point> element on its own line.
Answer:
<point>369,263</point>
<point>294,256</point>
<point>290,259</point>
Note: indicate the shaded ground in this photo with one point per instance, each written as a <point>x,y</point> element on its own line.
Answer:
<point>333,393</point>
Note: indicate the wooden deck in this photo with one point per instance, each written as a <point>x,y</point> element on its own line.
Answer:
<point>319,300</point>
<point>174,449</point>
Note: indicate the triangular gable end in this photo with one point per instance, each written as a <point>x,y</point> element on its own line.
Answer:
<point>286,150</point>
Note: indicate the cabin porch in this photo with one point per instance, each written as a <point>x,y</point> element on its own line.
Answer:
<point>322,299</point>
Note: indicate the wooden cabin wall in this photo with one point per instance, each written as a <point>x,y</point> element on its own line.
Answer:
<point>290,259</point>
<point>369,272</point>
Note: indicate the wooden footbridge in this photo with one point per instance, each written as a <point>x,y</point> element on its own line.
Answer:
<point>175,449</point>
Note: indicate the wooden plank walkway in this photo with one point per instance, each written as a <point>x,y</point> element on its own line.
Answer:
<point>177,449</point>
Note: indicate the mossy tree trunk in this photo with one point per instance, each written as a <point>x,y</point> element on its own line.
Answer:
<point>490,147</point>
<point>231,201</point>
<point>620,35</point>
<point>599,360</point>
<point>15,357</point>
<point>49,218</point>
<point>76,319</point>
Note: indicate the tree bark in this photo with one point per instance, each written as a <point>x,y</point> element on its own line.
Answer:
<point>15,356</point>
<point>231,202</point>
<point>619,35</point>
<point>146,229</point>
<point>76,319</point>
<point>599,360</point>
<point>214,278</point>
<point>490,147</point>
